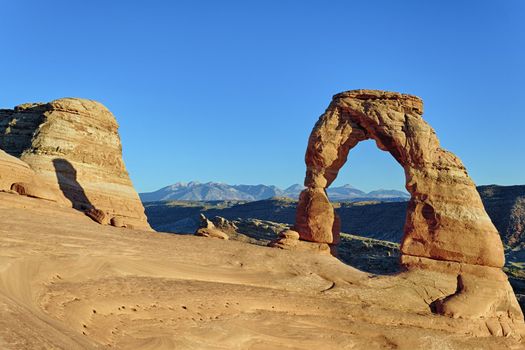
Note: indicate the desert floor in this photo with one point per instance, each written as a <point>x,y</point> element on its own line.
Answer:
<point>69,283</point>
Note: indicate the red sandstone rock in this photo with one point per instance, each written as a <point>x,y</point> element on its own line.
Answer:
<point>318,221</point>
<point>446,229</point>
<point>298,245</point>
<point>73,145</point>
<point>97,215</point>
<point>117,221</point>
<point>13,170</point>
<point>17,176</point>
<point>446,219</point>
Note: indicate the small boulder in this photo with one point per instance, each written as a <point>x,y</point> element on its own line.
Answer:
<point>97,215</point>
<point>117,221</point>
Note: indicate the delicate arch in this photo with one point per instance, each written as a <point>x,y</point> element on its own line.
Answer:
<point>445,219</point>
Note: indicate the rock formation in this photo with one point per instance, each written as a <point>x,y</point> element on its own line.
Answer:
<point>289,239</point>
<point>446,227</point>
<point>74,147</point>
<point>17,176</point>
<point>13,170</point>
<point>97,215</point>
<point>208,229</point>
<point>221,223</point>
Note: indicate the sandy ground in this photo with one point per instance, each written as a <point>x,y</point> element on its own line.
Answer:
<point>69,283</point>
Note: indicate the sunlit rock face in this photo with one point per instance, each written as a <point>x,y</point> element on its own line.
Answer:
<point>73,145</point>
<point>446,228</point>
<point>446,219</point>
<point>13,170</point>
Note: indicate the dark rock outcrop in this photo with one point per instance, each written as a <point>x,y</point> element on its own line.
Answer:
<point>506,207</point>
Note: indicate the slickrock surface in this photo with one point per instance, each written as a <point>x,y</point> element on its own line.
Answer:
<point>74,146</point>
<point>446,228</point>
<point>69,283</point>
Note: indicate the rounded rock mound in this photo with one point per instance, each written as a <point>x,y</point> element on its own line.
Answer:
<point>73,145</point>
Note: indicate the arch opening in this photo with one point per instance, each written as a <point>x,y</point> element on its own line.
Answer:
<point>373,214</point>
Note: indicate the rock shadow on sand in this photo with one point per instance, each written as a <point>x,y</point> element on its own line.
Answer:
<point>69,185</point>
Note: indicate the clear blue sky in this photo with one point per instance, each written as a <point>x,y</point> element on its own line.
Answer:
<point>229,90</point>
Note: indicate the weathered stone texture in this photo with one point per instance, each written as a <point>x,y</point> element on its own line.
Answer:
<point>446,219</point>
<point>446,228</point>
<point>74,146</point>
<point>13,170</point>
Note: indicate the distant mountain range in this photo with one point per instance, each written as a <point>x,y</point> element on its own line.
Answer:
<point>374,219</point>
<point>213,191</point>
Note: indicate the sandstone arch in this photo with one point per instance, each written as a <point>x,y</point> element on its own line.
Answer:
<point>446,230</point>
<point>446,219</point>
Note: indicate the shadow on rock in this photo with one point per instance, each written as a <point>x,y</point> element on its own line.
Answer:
<point>68,183</point>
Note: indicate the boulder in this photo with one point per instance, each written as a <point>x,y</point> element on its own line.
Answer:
<point>74,146</point>
<point>117,221</point>
<point>97,215</point>
<point>224,225</point>
<point>289,240</point>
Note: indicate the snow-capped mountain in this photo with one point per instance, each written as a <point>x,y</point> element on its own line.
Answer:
<point>209,191</point>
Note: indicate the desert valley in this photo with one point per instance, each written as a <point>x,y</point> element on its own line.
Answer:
<point>82,267</point>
